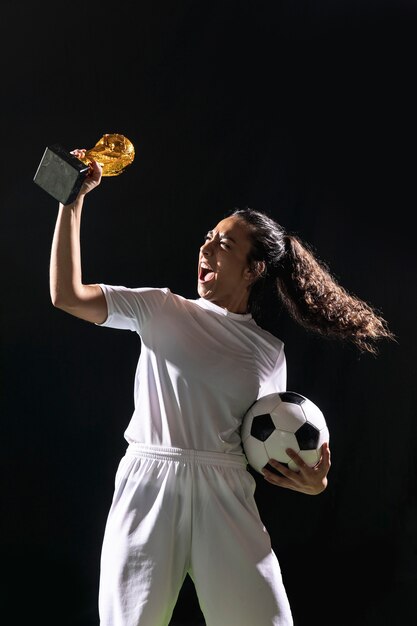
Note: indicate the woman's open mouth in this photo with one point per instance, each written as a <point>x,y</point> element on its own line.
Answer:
<point>205,274</point>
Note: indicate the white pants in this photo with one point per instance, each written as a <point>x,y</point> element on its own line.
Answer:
<point>176,511</point>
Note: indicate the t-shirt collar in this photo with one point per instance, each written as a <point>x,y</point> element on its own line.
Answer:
<point>206,304</point>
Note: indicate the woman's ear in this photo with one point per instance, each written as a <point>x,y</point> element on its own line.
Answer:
<point>256,270</point>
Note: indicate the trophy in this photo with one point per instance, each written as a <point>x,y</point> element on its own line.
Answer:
<point>61,173</point>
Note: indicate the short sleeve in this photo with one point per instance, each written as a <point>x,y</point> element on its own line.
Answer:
<point>130,309</point>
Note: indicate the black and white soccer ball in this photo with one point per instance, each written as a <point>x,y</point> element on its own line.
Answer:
<point>279,421</point>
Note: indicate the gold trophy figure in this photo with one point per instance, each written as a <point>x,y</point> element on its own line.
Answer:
<point>113,152</point>
<point>61,174</point>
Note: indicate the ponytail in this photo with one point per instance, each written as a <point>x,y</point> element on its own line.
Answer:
<point>306,287</point>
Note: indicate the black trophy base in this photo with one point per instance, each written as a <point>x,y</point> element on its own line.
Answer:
<point>60,174</point>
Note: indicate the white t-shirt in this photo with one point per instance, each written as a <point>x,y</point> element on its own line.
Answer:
<point>199,370</point>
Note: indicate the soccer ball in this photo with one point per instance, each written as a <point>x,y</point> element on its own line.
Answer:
<point>279,421</point>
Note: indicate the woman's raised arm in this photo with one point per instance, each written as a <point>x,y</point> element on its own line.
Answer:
<point>65,275</point>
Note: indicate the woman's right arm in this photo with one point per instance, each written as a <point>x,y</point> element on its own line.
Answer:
<point>65,275</point>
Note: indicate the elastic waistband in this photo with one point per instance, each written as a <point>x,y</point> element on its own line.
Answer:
<point>204,457</point>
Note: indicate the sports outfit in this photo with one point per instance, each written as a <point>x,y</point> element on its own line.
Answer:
<point>184,500</point>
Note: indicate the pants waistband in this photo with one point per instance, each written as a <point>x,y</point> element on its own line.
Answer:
<point>186,456</point>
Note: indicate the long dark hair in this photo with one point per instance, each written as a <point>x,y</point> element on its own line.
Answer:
<point>305,286</point>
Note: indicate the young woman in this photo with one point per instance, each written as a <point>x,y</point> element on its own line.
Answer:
<point>184,500</point>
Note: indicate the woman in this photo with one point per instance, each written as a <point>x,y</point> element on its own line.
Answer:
<point>184,500</point>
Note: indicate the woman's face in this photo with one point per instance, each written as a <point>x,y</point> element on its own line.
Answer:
<point>224,276</point>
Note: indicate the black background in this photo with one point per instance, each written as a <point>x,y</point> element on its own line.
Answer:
<point>303,109</point>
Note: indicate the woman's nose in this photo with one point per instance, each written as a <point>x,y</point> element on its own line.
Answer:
<point>206,248</point>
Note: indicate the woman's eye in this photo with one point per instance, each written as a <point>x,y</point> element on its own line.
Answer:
<point>225,244</point>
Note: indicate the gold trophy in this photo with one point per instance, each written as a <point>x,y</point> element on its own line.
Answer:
<point>61,173</point>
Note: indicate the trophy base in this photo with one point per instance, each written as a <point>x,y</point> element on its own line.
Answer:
<point>60,174</point>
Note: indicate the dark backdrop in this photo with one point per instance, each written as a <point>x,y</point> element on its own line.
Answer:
<point>303,109</point>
